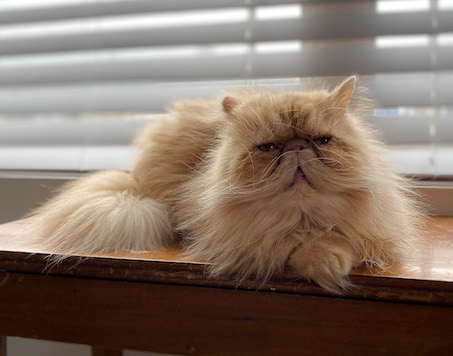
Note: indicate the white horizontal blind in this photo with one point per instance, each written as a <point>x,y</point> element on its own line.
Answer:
<point>78,59</point>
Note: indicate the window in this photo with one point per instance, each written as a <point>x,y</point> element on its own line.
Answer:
<point>79,78</point>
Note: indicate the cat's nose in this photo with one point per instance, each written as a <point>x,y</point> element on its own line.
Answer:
<point>295,144</point>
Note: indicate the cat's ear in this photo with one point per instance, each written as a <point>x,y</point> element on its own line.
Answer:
<point>229,104</point>
<point>343,93</point>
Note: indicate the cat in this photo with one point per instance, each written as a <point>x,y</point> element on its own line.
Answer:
<point>256,182</point>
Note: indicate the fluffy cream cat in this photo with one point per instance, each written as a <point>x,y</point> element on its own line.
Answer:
<point>253,183</point>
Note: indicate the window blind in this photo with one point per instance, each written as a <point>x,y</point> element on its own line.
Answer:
<point>87,60</point>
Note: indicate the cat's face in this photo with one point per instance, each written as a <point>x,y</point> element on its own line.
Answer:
<point>293,143</point>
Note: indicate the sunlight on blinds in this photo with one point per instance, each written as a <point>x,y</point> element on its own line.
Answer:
<point>402,6</point>
<point>70,70</point>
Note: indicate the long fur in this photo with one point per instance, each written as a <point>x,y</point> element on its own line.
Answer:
<point>200,174</point>
<point>101,213</point>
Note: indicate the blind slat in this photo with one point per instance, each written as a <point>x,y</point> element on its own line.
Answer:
<point>114,8</point>
<point>360,58</point>
<point>413,89</point>
<point>311,28</point>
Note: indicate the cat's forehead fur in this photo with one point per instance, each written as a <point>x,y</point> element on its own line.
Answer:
<point>270,115</point>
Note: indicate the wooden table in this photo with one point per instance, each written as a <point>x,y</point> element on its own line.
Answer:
<point>154,301</point>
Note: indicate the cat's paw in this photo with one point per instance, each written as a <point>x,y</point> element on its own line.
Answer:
<point>326,260</point>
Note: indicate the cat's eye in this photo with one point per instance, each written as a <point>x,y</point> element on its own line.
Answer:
<point>266,147</point>
<point>323,140</point>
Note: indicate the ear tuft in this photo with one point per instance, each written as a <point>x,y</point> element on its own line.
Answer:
<point>343,93</point>
<point>229,104</point>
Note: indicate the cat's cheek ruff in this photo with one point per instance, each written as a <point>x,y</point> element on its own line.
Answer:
<point>265,177</point>
<point>328,177</point>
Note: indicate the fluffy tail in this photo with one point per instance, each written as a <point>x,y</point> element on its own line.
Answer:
<point>102,212</point>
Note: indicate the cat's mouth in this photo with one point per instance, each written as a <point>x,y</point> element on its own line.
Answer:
<point>299,177</point>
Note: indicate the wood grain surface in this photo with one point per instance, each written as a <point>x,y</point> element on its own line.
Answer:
<point>423,276</point>
<point>155,301</point>
<point>189,320</point>
<point>2,345</point>
<point>432,260</point>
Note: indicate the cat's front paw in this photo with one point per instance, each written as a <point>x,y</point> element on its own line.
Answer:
<point>326,260</point>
